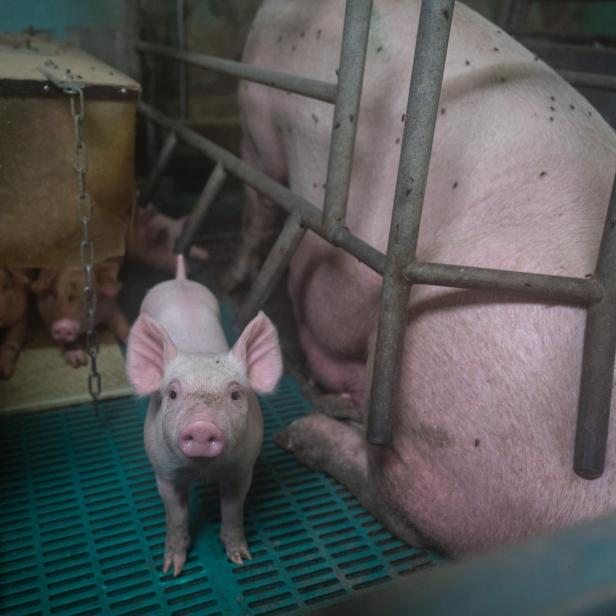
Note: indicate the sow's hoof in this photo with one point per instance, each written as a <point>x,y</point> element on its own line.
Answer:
<point>303,439</point>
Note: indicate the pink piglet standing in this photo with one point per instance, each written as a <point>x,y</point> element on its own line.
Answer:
<point>203,419</point>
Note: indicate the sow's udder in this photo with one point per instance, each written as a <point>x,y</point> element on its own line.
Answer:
<point>201,439</point>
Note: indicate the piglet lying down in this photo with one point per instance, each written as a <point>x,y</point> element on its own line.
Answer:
<point>203,420</point>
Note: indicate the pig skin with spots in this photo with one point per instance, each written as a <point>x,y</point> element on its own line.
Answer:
<point>520,178</point>
<point>203,419</point>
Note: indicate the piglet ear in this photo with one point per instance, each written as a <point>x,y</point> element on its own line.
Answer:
<point>20,276</point>
<point>106,277</point>
<point>149,349</point>
<point>259,351</point>
<point>44,280</point>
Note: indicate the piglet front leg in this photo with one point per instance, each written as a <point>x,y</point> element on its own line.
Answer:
<point>14,340</point>
<point>75,354</point>
<point>175,499</point>
<point>232,496</point>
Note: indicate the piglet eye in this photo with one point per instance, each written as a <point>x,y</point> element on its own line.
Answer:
<point>235,394</point>
<point>173,394</point>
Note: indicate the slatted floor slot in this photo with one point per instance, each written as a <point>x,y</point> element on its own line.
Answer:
<point>82,526</point>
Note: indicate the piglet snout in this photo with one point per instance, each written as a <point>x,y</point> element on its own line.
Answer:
<point>65,330</point>
<point>201,439</point>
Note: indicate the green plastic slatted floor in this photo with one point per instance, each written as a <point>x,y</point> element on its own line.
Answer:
<point>82,526</point>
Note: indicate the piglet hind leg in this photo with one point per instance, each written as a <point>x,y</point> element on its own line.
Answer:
<point>175,499</point>
<point>340,450</point>
<point>232,496</point>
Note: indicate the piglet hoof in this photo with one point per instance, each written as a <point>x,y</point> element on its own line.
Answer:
<point>76,358</point>
<point>237,552</point>
<point>176,560</point>
<point>7,366</point>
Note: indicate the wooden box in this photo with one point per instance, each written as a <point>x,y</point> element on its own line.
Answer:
<point>39,224</point>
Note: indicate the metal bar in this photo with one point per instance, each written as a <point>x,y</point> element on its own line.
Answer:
<point>151,143</point>
<point>426,78</point>
<point>195,220</point>
<point>518,14</point>
<point>350,80</point>
<point>158,169</point>
<point>598,360</point>
<point>320,90</point>
<point>309,213</point>
<point>541,286</point>
<point>273,267</point>
<point>182,68</point>
<point>581,79</point>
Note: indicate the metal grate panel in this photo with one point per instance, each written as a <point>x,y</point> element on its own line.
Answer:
<point>82,525</point>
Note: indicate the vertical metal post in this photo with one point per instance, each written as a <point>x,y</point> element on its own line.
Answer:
<point>517,19</point>
<point>351,75</point>
<point>273,267</point>
<point>182,66</point>
<point>206,198</point>
<point>158,169</point>
<point>426,78</point>
<point>598,360</point>
<point>151,142</point>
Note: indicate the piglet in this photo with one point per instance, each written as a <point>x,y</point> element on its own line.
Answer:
<point>61,306</point>
<point>203,419</point>
<point>13,317</point>
<point>153,237</point>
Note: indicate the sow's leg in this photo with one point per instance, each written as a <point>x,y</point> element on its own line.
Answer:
<point>341,450</point>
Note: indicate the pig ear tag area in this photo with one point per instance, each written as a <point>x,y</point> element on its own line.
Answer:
<point>149,349</point>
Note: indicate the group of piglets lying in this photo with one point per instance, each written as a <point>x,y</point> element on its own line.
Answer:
<point>203,418</point>
<point>59,292</point>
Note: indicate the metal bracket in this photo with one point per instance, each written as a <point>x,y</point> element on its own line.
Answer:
<point>63,79</point>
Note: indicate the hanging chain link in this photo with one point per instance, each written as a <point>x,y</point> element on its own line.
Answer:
<point>86,248</point>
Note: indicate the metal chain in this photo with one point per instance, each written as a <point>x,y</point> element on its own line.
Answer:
<point>86,248</point>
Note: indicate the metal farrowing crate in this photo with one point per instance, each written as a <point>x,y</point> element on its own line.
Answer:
<point>399,267</point>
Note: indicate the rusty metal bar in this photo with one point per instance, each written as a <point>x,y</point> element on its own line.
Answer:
<point>350,80</point>
<point>598,360</point>
<point>158,169</point>
<point>540,286</point>
<point>195,220</point>
<point>426,78</point>
<point>273,267</point>
<point>320,90</point>
<point>182,68</point>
